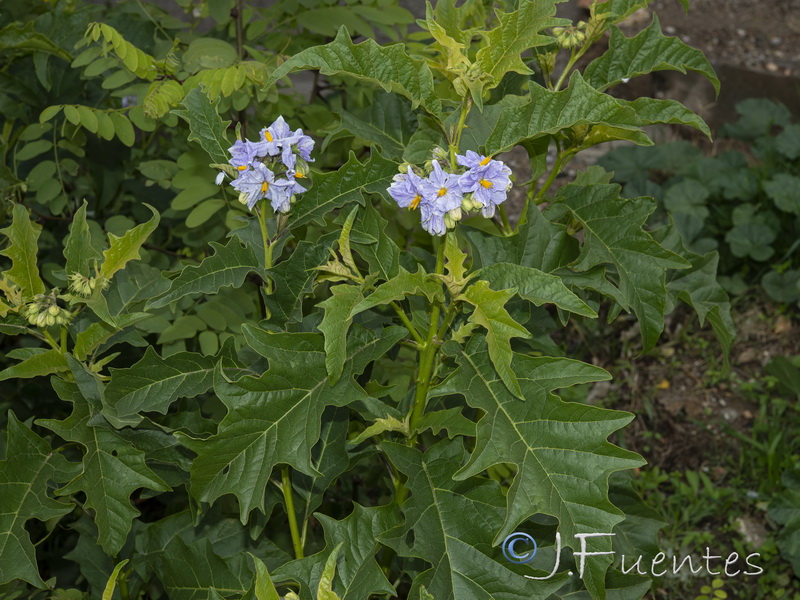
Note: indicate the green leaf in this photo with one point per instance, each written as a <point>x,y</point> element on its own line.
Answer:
<point>788,141</point>
<point>203,212</point>
<point>387,66</point>
<point>535,286</point>
<point>293,278</point>
<point>275,418</point>
<point>547,112</point>
<point>752,239</point>
<point>335,325</point>
<point>397,288</point>
<point>653,112</point>
<point>205,124</point>
<point>325,587</point>
<point>154,383</point>
<point>112,467</point>
<point>517,32</point>
<point>329,458</point>
<point>108,592</point>
<point>263,588</point>
<point>697,286</point>
<point>353,540</point>
<point>24,474</point>
<point>25,39</point>
<point>228,266</point>
<point>784,509</point>
<point>450,419</point>
<point>538,244</point>
<point>23,235</point>
<point>189,570</point>
<point>374,245</point>
<point>78,248</point>
<point>490,313</point>
<point>123,128</point>
<point>126,248</point>
<point>388,121</point>
<point>450,524</point>
<point>648,51</point>
<point>782,189</point>
<point>613,234</point>
<point>337,189</point>
<point>38,365</point>
<point>563,459</point>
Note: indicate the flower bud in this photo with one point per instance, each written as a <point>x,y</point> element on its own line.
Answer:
<point>448,221</point>
<point>466,203</point>
<point>50,320</point>
<point>476,204</point>
<point>455,214</point>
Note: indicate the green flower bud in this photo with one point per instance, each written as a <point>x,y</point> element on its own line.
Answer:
<point>455,214</point>
<point>448,221</point>
<point>53,310</point>
<point>466,203</point>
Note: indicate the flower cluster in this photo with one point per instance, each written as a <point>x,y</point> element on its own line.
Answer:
<point>443,198</point>
<point>44,311</point>
<point>271,167</point>
<point>84,286</point>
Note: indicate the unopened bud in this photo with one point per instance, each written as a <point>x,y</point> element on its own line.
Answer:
<point>476,204</point>
<point>466,203</point>
<point>455,214</point>
<point>53,310</point>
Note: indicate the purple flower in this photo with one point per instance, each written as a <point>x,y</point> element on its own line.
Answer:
<point>406,189</point>
<point>488,184</point>
<point>243,154</point>
<point>304,145</point>
<point>281,194</point>
<point>473,160</point>
<point>258,183</point>
<point>273,138</point>
<point>440,194</point>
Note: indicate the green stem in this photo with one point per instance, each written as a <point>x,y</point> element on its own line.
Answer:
<point>573,57</point>
<point>504,218</point>
<point>50,339</point>
<point>466,105</point>
<point>63,339</point>
<point>407,322</point>
<point>262,223</point>
<point>287,497</point>
<point>122,581</point>
<point>427,351</point>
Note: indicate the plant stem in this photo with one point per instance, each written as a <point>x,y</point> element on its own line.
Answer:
<point>63,339</point>
<point>466,105</point>
<point>287,497</point>
<point>407,322</point>
<point>262,222</point>
<point>504,218</point>
<point>428,350</point>
<point>50,340</point>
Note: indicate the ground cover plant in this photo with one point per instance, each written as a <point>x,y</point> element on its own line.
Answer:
<point>325,366</point>
<point>741,201</point>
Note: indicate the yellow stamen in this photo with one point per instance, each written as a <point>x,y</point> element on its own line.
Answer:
<point>264,187</point>
<point>485,183</point>
<point>441,192</point>
<point>299,175</point>
<point>241,168</point>
<point>415,202</point>
<point>485,161</point>
<point>268,135</point>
